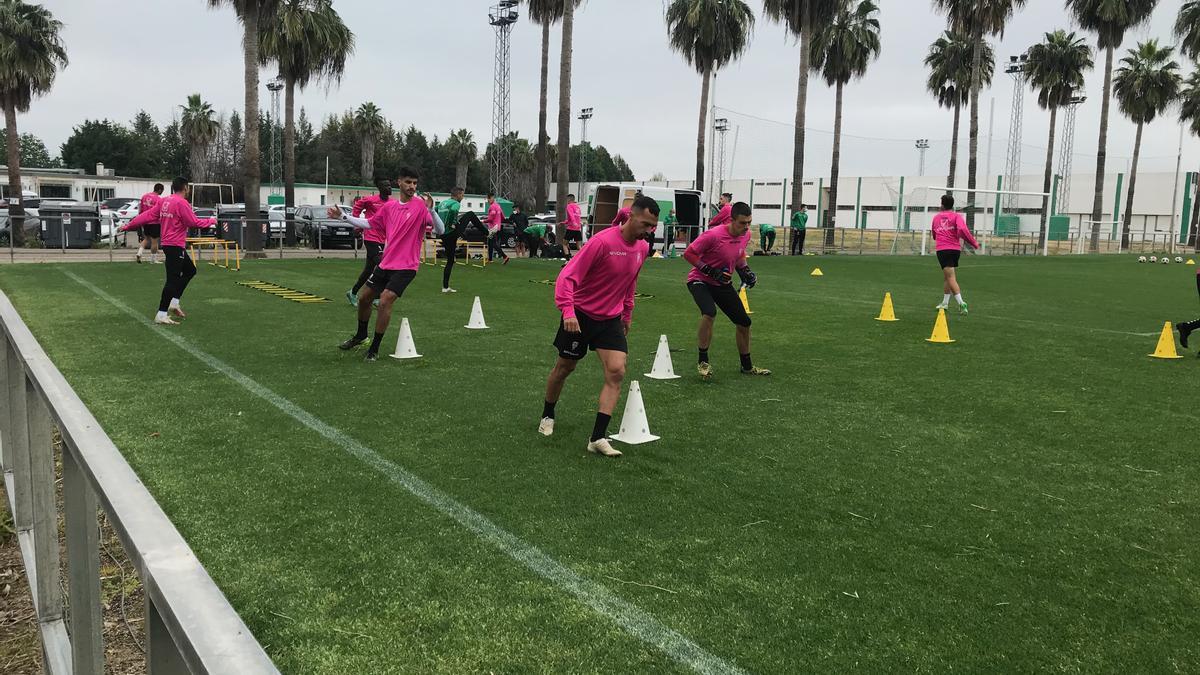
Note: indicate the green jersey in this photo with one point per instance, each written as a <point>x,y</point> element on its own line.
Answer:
<point>766,228</point>
<point>799,219</point>
<point>536,229</point>
<point>447,210</point>
<point>671,220</point>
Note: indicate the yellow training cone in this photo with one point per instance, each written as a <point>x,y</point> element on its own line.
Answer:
<point>887,313</point>
<point>745,299</point>
<point>1166,344</point>
<point>941,330</point>
<point>817,273</point>
<point>1191,262</point>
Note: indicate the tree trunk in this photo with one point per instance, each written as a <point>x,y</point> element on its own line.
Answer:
<point>564,120</point>
<point>801,116</point>
<point>973,148</point>
<point>1195,229</point>
<point>368,159</point>
<point>289,161</point>
<point>954,145</point>
<point>1127,219</point>
<point>460,175</point>
<point>197,160</point>
<point>835,169</point>
<point>253,160</point>
<point>1048,180</point>
<point>706,83</point>
<point>16,223</point>
<point>1102,151</point>
<point>540,186</point>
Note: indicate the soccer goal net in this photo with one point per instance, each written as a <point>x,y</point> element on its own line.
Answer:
<point>1005,222</point>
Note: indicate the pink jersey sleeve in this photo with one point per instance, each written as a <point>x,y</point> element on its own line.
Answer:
<point>360,205</point>
<point>622,217</point>
<point>144,217</point>
<point>627,312</point>
<point>723,217</point>
<point>964,232</point>
<point>188,217</point>
<point>696,250</point>
<point>571,275</point>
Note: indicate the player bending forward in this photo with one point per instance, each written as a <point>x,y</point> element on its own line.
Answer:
<point>595,294</point>
<point>949,230</point>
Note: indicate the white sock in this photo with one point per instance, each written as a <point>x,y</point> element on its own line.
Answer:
<point>141,250</point>
<point>946,299</point>
<point>958,297</point>
<point>174,303</point>
<point>160,316</point>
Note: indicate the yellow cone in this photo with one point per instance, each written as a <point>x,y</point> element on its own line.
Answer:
<point>818,273</point>
<point>1166,344</point>
<point>1191,262</point>
<point>887,313</point>
<point>941,330</point>
<point>745,299</point>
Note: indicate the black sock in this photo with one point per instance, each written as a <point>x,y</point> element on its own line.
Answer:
<point>548,409</point>
<point>375,341</point>
<point>362,331</point>
<point>747,364</point>
<point>703,356</point>
<point>601,428</point>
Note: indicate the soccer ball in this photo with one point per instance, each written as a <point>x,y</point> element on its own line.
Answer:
<point>1153,258</point>
<point>1165,260</point>
<point>1142,259</point>
<point>1178,259</point>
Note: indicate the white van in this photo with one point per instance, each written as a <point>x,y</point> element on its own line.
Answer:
<point>691,207</point>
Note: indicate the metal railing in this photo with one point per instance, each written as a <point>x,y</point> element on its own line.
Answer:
<point>190,625</point>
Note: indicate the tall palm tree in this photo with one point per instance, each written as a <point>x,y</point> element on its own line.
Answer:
<point>1187,29</point>
<point>842,50</point>
<point>369,124</point>
<point>461,149</point>
<point>563,170</point>
<point>709,34</point>
<point>1147,82</point>
<point>1109,20</point>
<point>31,53</point>
<point>978,20</point>
<point>308,41</point>
<point>1189,114</point>
<point>802,18</point>
<point>1055,70</point>
<point>949,62</point>
<point>545,13</point>
<point>199,127</point>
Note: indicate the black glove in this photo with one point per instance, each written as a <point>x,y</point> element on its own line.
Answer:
<point>749,278</point>
<point>721,276</point>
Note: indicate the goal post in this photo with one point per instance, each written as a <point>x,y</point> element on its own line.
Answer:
<point>1009,212</point>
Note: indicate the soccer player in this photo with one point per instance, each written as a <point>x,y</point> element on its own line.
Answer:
<point>622,216</point>
<point>766,236</point>
<point>574,225</point>
<point>949,230</point>
<point>595,294</point>
<point>535,237</point>
<point>494,221</point>
<point>372,238</point>
<point>724,213</point>
<point>151,232</point>
<point>669,224</point>
<point>714,256</point>
<point>448,211</point>
<point>520,221</point>
<point>403,221</point>
<point>1186,329</point>
<point>175,215</point>
<point>799,223</point>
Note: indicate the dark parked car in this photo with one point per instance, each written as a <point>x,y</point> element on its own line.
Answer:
<point>314,225</point>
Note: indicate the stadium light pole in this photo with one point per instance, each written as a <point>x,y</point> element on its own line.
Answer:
<point>922,147</point>
<point>584,115</point>
<point>721,126</point>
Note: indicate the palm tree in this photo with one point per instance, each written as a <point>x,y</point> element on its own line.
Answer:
<point>977,20</point>
<point>546,13</point>
<point>841,52</point>
<point>309,42</point>
<point>1108,19</point>
<point>1189,113</point>
<point>709,34</point>
<point>1187,29</point>
<point>802,18</point>
<point>1147,82</point>
<point>250,12</point>
<point>563,170</point>
<point>198,127</point>
<point>461,149</point>
<point>31,53</point>
<point>1055,69</point>
<point>949,62</point>
<point>368,123</point>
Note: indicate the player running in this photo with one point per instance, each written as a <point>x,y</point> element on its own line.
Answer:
<point>595,294</point>
<point>949,231</point>
<point>713,255</point>
<point>494,221</point>
<point>403,222</point>
<point>373,239</point>
<point>1186,329</point>
<point>175,215</point>
<point>151,232</point>
<point>574,224</point>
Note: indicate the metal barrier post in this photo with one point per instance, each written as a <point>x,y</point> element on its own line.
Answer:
<point>83,568</point>
<point>319,238</point>
<point>19,448</point>
<point>5,443</point>
<point>62,227</point>
<point>45,512</point>
<point>112,236</point>
<point>162,655</point>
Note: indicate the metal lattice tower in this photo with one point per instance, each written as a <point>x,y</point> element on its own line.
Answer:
<point>502,17</point>
<point>1016,125</point>
<point>922,148</point>
<point>276,156</point>
<point>1066,154</point>
<point>721,125</point>
<point>584,115</point>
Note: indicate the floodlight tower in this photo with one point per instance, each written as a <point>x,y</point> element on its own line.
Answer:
<point>584,116</point>
<point>1066,154</point>
<point>502,17</point>
<point>276,157</point>
<point>922,148</point>
<point>1016,123</point>
<point>721,125</point>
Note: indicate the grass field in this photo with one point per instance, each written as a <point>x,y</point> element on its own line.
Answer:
<point>1024,499</point>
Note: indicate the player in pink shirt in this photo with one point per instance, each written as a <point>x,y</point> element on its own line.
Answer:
<point>494,222</point>
<point>714,256</point>
<point>622,216</point>
<point>725,213</point>
<point>594,292</point>
<point>403,221</point>
<point>175,215</point>
<point>151,232</point>
<point>373,239</point>
<point>573,234</point>
<point>949,230</point>
<point>1186,329</point>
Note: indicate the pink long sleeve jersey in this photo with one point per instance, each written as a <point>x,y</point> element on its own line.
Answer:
<point>601,279</point>
<point>175,215</point>
<point>950,229</point>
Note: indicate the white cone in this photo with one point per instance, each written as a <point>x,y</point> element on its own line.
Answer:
<point>405,347</point>
<point>476,322</point>
<point>635,430</point>
<point>662,370</point>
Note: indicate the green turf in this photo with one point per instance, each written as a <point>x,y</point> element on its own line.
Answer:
<point>1024,499</point>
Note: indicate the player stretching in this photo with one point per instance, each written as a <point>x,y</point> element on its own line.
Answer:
<point>713,255</point>
<point>448,210</point>
<point>494,220</point>
<point>151,232</point>
<point>725,212</point>
<point>403,222</point>
<point>175,215</point>
<point>1186,329</point>
<point>595,294</point>
<point>949,230</point>
<point>372,238</point>
<point>574,224</point>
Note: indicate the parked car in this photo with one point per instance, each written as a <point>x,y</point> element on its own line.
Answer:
<point>126,212</point>
<point>109,207</point>
<point>314,225</point>
<point>33,224</point>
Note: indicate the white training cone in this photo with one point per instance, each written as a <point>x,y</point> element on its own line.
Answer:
<point>635,430</point>
<point>405,347</point>
<point>476,322</point>
<point>662,370</point>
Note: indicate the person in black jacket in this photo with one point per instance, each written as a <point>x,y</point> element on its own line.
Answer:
<point>520,221</point>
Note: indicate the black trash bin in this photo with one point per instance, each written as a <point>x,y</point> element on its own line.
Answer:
<point>69,224</point>
<point>230,224</point>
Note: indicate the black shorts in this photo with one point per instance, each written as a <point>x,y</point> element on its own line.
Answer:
<point>393,280</point>
<point>594,334</point>
<point>573,235</point>
<point>948,258</point>
<point>709,297</point>
<point>154,231</point>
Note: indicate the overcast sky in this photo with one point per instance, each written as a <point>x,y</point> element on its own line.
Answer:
<point>430,63</point>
